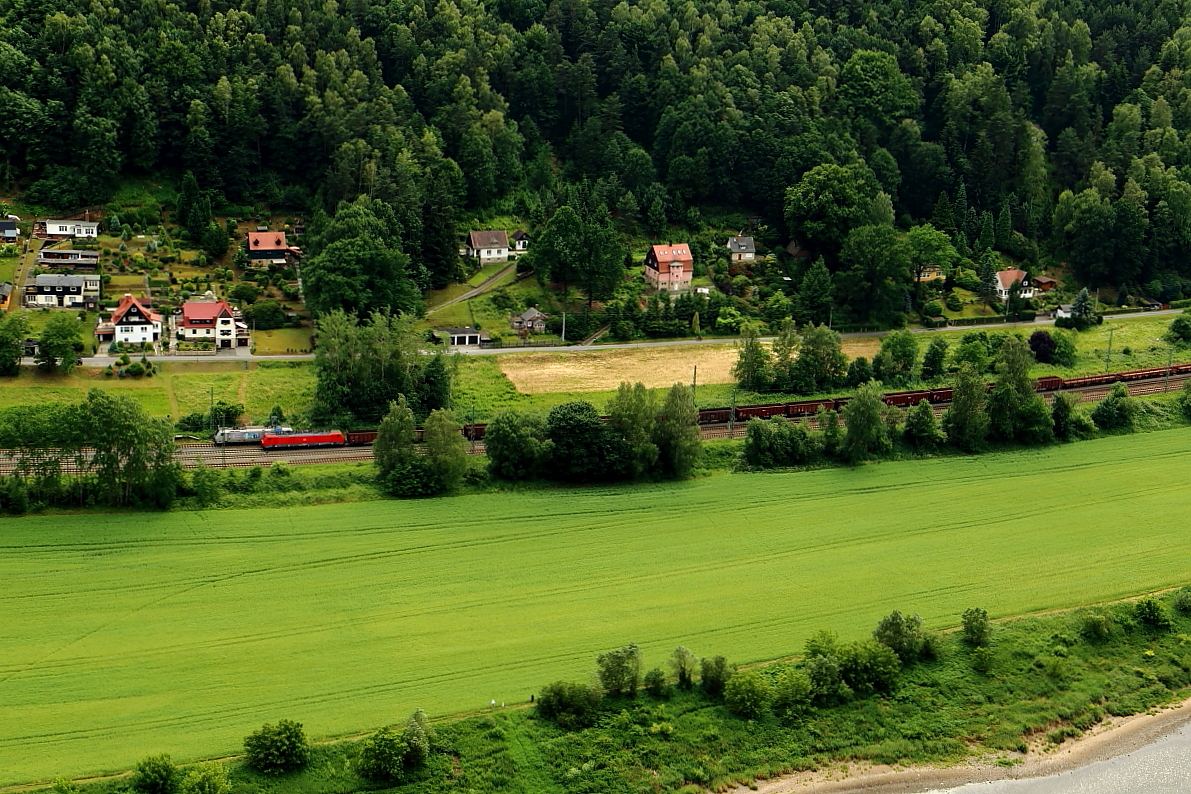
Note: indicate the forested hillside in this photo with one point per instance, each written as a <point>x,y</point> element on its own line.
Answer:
<point>1049,128</point>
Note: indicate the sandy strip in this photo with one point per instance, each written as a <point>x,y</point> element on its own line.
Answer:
<point>1113,737</point>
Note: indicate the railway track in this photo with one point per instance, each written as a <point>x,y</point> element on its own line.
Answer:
<point>193,456</point>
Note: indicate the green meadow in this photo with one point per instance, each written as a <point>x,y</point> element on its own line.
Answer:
<point>130,634</point>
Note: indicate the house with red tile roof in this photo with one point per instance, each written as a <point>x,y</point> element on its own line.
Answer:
<point>670,267</point>
<point>1006,279</point>
<point>132,322</point>
<point>212,321</point>
<point>269,248</point>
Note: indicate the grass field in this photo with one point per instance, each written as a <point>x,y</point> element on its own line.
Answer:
<point>180,632</point>
<point>181,388</point>
<point>282,341</point>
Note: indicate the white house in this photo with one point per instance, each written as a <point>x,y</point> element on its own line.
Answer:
<point>134,322</point>
<point>57,291</point>
<point>520,241</point>
<point>487,246</point>
<point>1006,279</point>
<point>463,336</point>
<point>212,321</point>
<point>742,249</point>
<point>63,230</point>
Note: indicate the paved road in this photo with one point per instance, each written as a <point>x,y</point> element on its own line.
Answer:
<point>242,354</point>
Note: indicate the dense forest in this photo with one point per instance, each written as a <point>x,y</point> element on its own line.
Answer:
<point>1053,128</point>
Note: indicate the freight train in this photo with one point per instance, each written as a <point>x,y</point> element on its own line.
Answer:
<point>274,438</point>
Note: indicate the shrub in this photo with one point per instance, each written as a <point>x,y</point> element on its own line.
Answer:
<point>413,478</point>
<point>1096,626</point>
<point>655,682</point>
<point>620,670</point>
<point>976,626</point>
<point>418,736</point>
<point>747,694</point>
<point>827,685</point>
<point>684,664</point>
<point>715,674</point>
<point>792,693</point>
<point>156,774</point>
<point>1180,329</point>
<point>206,779</point>
<point>1182,600</point>
<point>1116,411</point>
<point>868,666</point>
<point>954,303</point>
<point>569,705</point>
<point>1149,612</point>
<point>382,757</point>
<point>277,748</point>
<point>982,660</point>
<point>1043,345</point>
<point>902,633</point>
<point>933,309</point>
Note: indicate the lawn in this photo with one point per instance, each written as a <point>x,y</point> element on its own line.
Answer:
<point>181,632</point>
<point>282,341</point>
<point>8,268</point>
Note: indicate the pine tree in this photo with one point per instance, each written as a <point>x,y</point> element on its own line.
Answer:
<point>987,239</point>
<point>943,217</point>
<point>1004,227</point>
<point>187,195</point>
<point>959,210</point>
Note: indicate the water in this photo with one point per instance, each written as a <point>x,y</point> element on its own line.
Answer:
<point>1163,767</point>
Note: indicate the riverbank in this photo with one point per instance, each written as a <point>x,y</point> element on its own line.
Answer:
<point>1114,737</point>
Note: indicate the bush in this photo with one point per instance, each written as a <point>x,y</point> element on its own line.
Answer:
<point>792,693</point>
<point>901,633</point>
<point>1180,329</point>
<point>684,664</point>
<point>933,309</point>
<point>747,694</point>
<point>413,478</point>
<point>977,628</point>
<point>655,682</point>
<point>1116,411</point>
<point>277,748</point>
<point>156,774</point>
<point>982,660</point>
<point>1096,626</point>
<point>868,666</point>
<point>827,686</point>
<point>1182,600</point>
<point>569,705</point>
<point>1043,345</point>
<point>715,675</point>
<point>382,757</point>
<point>206,779</point>
<point>1149,612</point>
<point>954,303</point>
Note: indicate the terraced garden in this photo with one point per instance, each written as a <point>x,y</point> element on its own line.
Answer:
<point>127,635</point>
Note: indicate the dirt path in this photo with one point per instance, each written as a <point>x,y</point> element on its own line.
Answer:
<point>480,290</point>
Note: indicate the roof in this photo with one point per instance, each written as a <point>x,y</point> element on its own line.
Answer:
<point>76,222</point>
<point>5,289</point>
<point>266,241</point>
<point>670,253</point>
<point>51,280</point>
<point>8,226</point>
<point>457,331</point>
<point>532,313</point>
<point>795,249</point>
<point>204,310</point>
<point>487,239</point>
<point>126,303</point>
<point>1045,280</point>
<point>1006,277</point>
<point>741,245</point>
<point>520,234</point>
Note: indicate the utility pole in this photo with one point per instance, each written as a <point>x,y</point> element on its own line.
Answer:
<point>732,417</point>
<point>1169,358</point>
<point>694,381</point>
<point>1108,353</point>
<point>564,326</point>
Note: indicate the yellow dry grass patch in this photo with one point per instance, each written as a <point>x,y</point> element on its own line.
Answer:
<point>656,367</point>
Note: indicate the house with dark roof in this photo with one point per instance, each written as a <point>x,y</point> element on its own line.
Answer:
<point>56,258</point>
<point>212,321</point>
<point>1044,283</point>
<point>266,248</point>
<point>9,232</point>
<point>742,249</point>
<point>1007,278</point>
<point>66,292</point>
<point>134,321</point>
<point>798,251</point>
<point>520,241</point>
<point>487,246</point>
<point>531,321</point>
<point>670,267</point>
<point>5,293</point>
